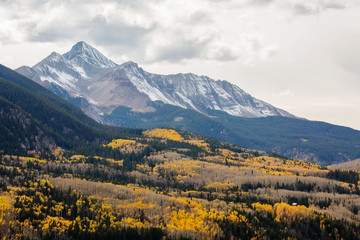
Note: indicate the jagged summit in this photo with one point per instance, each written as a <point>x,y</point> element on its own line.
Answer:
<point>82,51</point>
<point>81,46</point>
<point>78,49</point>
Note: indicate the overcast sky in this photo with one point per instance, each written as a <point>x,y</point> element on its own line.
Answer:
<point>300,55</point>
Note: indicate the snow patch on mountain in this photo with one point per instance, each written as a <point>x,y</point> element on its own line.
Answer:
<point>142,85</point>
<point>81,71</point>
<point>188,101</point>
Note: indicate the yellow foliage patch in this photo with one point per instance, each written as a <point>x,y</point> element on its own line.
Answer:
<point>195,223</point>
<point>136,205</point>
<point>164,133</point>
<point>5,205</point>
<point>263,208</point>
<point>55,224</point>
<point>285,212</point>
<point>199,143</point>
<point>131,222</point>
<point>77,157</point>
<point>30,159</point>
<point>125,145</point>
<point>116,143</point>
<point>178,169</point>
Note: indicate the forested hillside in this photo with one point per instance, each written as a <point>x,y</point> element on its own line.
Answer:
<point>166,184</point>
<point>318,142</point>
<point>19,132</point>
<point>59,120</point>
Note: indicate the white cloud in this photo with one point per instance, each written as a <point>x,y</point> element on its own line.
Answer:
<point>170,31</point>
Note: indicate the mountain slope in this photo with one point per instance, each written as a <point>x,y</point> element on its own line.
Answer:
<point>84,72</point>
<point>19,131</point>
<point>35,88</point>
<point>62,121</point>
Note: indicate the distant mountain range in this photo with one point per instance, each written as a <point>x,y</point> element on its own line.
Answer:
<point>102,85</point>
<point>126,95</point>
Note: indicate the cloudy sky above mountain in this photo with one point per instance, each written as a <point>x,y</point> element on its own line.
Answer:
<point>299,55</point>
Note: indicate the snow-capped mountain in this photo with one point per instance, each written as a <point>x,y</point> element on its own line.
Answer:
<point>71,71</point>
<point>85,73</point>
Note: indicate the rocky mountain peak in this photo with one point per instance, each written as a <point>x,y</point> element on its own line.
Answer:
<point>82,51</point>
<point>79,49</point>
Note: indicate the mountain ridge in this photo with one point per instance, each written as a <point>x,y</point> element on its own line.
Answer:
<point>84,68</point>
